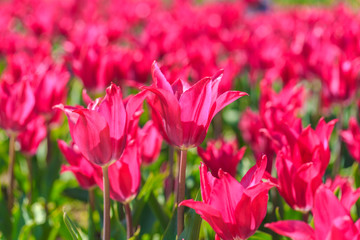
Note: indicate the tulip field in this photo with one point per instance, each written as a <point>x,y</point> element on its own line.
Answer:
<point>184,119</point>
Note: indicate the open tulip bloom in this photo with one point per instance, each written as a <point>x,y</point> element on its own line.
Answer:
<point>302,162</point>
<point>234,210</point>
<point>183,113</point>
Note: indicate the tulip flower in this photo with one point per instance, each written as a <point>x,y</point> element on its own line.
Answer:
<point>331,219</point>
<point>276,109</point>
<point>183,115</point>
<point>302,164</point>
<point>234,210</point>
<point>150,141</point>
<point>32,136</point>
<point>250,125</point>
<point>49,88</point>
<point>86,173</point>
<point>339,80</point>
<point>221,154</point>
<point>352,139</point>
<point>17,102</point>
<point>100,132</point>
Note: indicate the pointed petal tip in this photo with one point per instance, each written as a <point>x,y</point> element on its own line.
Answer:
<point>59,106</point>
<point>243,94</point>
<point>154,66</point>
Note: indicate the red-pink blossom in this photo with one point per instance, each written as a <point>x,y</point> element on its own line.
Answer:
<point>234,210</point>
<point>221,154</point>
<point>183,114</point>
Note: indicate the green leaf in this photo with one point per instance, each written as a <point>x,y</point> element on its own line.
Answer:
<point>260,236</point>
<point>171,230</point>
<point>71,227</point>
<point>5,220</point>
<point>151,183</point>
<point>158,210</point>
<point>192,226</point>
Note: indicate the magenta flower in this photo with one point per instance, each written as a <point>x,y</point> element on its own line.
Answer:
<point>183,114</point>
<point>221,154</point>
<point>17,102</point>
<point>33,135</point>
<point>234,210</point>
<point>150,142</point>
<point>100,130</point>
<point>302,164</point>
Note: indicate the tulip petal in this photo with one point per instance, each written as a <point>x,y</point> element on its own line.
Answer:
<point>195,103</point>
<point>343,228</point>
<point>209,214</point>
<point>325,200</point>
<point>91,134</point>
<point>296,230</point>
<point>206,182</point>
<point>231,190</point>
<point>225,99</point>
<point>113,110</point>
<point>169,110</point>
<point>255,174</point>
<point>159,78</point>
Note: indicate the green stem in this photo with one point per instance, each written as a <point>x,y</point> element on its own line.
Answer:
<point>11,171</point>
<point>181,191</point>
<point>30,177</point>
<point>129,227</point>
<point>106,225</point>
<point>91,231</point>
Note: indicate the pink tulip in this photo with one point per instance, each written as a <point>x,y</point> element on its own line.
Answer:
<point>33,135</point>
<point>234,210</point>
<point>17,102</point>
<point>221,154</point>
<point>331,219</point>
<point>302,164</point>
<point>85,172</point>
<point>49,87</point>
<point>339,79</point>
<point>183,114</point>
<point>150,141</point>
<point>352,139</point>
<point>100,131</point>
<point>250,125</point>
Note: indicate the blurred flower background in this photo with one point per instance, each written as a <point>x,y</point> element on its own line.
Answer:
<point>247,110</point>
